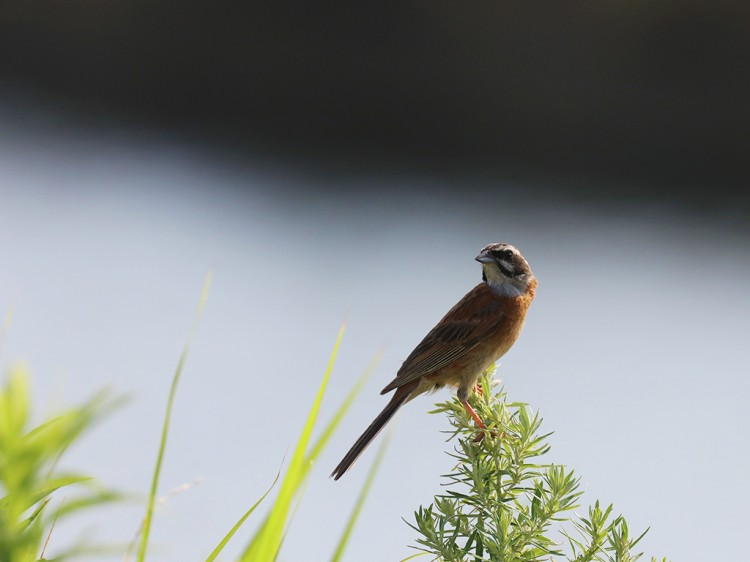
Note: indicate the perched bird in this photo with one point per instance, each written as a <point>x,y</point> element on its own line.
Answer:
<point>474,334</point>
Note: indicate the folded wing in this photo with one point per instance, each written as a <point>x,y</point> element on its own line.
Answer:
<point>466,325</point>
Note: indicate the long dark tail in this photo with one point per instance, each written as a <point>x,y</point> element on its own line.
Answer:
<point>402,395</point>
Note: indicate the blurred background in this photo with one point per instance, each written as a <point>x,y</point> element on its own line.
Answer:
<point>329,160</point>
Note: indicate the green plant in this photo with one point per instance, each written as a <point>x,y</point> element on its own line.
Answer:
<point>502,504</point>
<point>29,476</point>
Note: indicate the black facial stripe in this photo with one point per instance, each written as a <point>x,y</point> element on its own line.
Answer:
<point>508,257</point>
<point>507,272</point>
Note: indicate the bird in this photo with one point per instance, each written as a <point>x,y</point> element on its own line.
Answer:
<point>469,339</point>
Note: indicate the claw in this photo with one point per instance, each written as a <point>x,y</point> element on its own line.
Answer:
<point>481,434</point>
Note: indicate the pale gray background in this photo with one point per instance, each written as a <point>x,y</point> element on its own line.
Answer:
<point>635,350</point>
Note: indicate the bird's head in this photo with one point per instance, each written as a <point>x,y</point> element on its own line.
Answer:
<point>505,270</point>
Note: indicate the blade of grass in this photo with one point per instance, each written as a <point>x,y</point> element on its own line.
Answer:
<point>267,541</point>
<point>346,535</point>
<point>49,533</point>
<point>293,512</point>
<point>413,556</point>
<point>239,523</point>
<point>167,418</point>
<point>322,441</point>
<point>331,427</point>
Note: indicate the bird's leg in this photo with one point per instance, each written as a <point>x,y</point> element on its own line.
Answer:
<point>463,397</point>
<point>478,389</point>
<point>473,414</point>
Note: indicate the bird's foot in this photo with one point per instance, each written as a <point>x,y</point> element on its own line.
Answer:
<point>481,434</point>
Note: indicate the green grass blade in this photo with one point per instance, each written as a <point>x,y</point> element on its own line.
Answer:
<point>297,503</point>
<point>267,541</point>
<point>413,556</point>
<point>167,418</point>
<point>361,499</point>
<point>332,425</point>
<point>322,441</point>
<point>35,514</point>
<point>239,523</point>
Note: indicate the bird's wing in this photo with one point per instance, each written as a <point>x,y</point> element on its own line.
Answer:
<point>467,324</point>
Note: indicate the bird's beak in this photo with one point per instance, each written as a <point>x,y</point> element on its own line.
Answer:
<point>484,258</point>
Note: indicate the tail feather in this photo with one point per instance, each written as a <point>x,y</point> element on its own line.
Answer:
<point>398,400</point>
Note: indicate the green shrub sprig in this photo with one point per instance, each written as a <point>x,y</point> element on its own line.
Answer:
<point>502,503</point>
